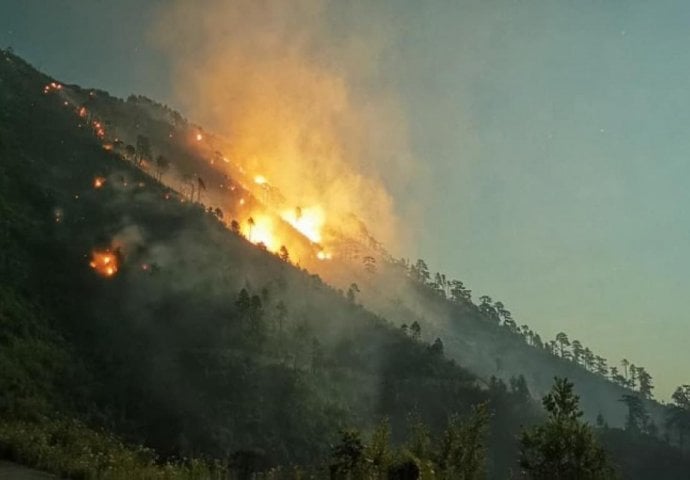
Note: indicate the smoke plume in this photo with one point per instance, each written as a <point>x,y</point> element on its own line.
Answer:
<point>298,90</point>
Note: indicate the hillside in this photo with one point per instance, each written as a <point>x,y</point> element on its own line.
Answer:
<point>132,306</point>
<point>192,162</point>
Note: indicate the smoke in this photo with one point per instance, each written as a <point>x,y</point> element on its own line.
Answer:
<point>299,89</point>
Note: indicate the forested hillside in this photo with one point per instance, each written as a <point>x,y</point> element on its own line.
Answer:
<point>133,308</point>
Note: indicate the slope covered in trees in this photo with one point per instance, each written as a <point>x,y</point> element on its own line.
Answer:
<point>134,309</point>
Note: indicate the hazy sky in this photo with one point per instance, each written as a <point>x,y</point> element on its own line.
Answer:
<point>555,137</point>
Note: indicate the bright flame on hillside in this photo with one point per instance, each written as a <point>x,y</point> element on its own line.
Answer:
<point>199,137</point>
<point>324,255</point>
<point>308,221</point>
<point>98,182</point>
<point>293,103</point>
<point>104,262</point>
<point>259,230</point>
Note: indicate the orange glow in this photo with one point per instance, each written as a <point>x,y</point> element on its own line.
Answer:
<point>82,112</point>
<point>104,262</point>
<point>98,182</point>
<point>261,231</point>
<point>260,180</point>
<point>308,221</point>
<point>321,255</point>
<point>107,146</point>
<point>199,137</point>
<point>52,86</point>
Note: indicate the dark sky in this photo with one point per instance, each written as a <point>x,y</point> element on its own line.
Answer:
<point>94,43</point>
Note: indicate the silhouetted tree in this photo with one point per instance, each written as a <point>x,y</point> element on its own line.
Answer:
<point>458,292</point>
<point>678,413</point>
<point>352,292</point>
<point>588,359</point>
<point>637,419</point>
<point>645,381</point>
<point>162,166</point>
<point>420,271</point>
<point>487,309</point>
<point>563,343</point>
<point>600,365</point>
<point>578,351</point>
<point>625,364</point>
<point>251,223</point>
<point>143,149</point>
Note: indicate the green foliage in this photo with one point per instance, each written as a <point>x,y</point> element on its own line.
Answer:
<point>564,448</point>
<point>462,453</point>
<point>458,454</point>
<point>71,450</point>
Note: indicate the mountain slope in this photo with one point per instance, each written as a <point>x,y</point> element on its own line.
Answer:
<point>196,167</point>
<point>200,342</point>
<point>191,339</point>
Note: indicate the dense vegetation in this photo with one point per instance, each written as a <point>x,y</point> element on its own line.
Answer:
<point>203,345</point>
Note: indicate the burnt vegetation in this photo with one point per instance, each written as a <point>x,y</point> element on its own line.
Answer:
<point>205,346</point>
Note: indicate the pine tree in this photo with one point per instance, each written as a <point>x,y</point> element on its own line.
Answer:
<point>564,448</point>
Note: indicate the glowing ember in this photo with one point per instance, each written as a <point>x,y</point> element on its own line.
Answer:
<point>82,112</point>
<point>307,221</point>
<point>52,86</point>
<point>107,146</point>
<point>324,255</point>
<point>260,180</point>
<point>105,263</point>
<point>199,137</point>
<point>98,182</point>
<point>241,201</point>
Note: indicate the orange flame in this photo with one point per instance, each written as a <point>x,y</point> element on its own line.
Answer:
<point>308,221</point>
<point>98,182</point>
<point>104,262</point>
<point>259,230</point>
<point>321,255</point>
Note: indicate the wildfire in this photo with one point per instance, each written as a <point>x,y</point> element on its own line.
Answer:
<point>199,137</point>
<point>308,221</point>
<point>82,112</point>
<point>259,230</point>
<point>322,255</point>
<point>98,128</point>
<point>98,182</point>
<point>52,86</point>
<point>260,180</point>
<point>104,262</point>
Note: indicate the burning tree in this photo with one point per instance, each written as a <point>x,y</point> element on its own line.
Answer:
<point>104,262</point>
